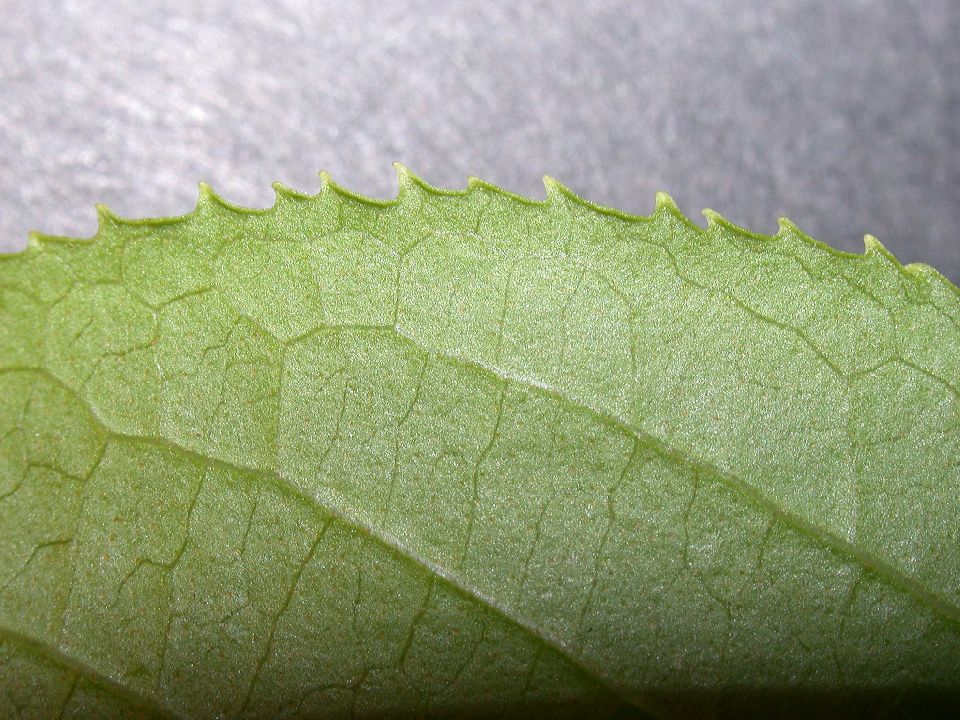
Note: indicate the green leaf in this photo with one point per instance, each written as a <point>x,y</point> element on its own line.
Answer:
<point>465,454</point>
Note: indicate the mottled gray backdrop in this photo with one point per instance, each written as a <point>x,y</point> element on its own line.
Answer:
<point>844,116</point>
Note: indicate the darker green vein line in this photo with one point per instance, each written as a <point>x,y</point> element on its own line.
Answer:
<point>349,519</point>
<point>80,669</point>
<point>742,488</point>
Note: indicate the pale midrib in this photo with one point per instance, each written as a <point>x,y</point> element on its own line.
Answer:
<point>745,491</point>
<point>278,481</point>
<point>78,668</point>
<point>349,519</point>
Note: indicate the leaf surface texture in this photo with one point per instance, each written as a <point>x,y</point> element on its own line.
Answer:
<point>464,454</point>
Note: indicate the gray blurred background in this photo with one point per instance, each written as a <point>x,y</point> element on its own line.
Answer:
<point>843,116</point>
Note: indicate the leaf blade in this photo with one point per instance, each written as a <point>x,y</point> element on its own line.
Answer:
<point>534,402</point>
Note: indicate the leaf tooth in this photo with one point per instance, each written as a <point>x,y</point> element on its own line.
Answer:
<point>284,193</point>
<point>666,205</point>
<point>477,184</point>
<point>883,259</point>
<point>940,279</point>
<point>108,222</point>
<point>872,246</point>
<point>716,221</point>
<point>329,185</point>
<point>407,183</point>
<point>35,239</point>
<point>326,182</point>
<point>206,197</point>
<point>210,199</point>
<point>35,243</point>
<point>107,217</point>
<point>790,232</point>
<point>916,269</point>
<point>413,188</point>
<point>561,196</point>
<point>928,275</point>
<point>409,180</point>
<point>556,190</point>
<point>872,249</point>
<point>281,190</point>
<point>38,241</point>
<point>787,228</point>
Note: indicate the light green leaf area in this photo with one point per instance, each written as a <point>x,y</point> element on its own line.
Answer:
<point>462,454</point>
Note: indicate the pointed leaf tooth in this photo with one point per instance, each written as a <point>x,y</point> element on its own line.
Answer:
<point>326,182</point>
<point>406,177</point>
<point>715,219</point>
<point>406,183</point>
<point>787,228</point>
<point>106,217</point>
<point>285,192</point>
<point>872,246</point>
<point>475,183</point>
<point>666,207</point>
<point>410,186</point>
<point>556,191</point>
<point>918,269</point>
<point>212,199</point>
<point>665,204</point>
<point>874,250</point>
<point>34,239</point>
<point>206,197</point>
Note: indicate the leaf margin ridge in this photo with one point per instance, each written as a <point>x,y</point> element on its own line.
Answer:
<point>409,182</point>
